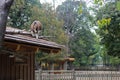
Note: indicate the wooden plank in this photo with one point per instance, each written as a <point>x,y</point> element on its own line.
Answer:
<point>1,65</point>
<point>28,68</point>
<point>17,72</point>
<point>48,49</point>
<point>32,66</point>
<point>25,72</point>
<point>13,70</point>
<point>18,47</point>
<point>8,70</point>
<point>37,49</point>
<point>21,72</point>
<point>4,67</point>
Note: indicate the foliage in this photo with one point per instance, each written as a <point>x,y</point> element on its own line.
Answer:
<point>100,2</point>
<point>110,33</point>
<point>49,57</point>
<point>83,46</point>
<point>78,26</point>
<point>103,22</point>
<point>118,5</point>
<point>107,22</point>
<point>68,13</point>
<point>20,14</point>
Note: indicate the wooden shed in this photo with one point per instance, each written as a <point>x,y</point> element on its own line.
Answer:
<point>17,59</point>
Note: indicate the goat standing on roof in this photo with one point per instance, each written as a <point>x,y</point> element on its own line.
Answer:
<point>35,28</point>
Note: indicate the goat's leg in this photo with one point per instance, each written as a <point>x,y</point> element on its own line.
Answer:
<point>39,32</point>
<point>36,35</point>
<point>32,33</point>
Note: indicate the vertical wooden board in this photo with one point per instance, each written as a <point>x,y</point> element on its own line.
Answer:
<point>24,73</point>
<point>17,72</point>
<point>3,66</point>
<point>8,67</point>
<point>28,67</point>
<point>4,69</point>
<point>32,66</point>
<point>1,77</point>
<point>21,72</point>
<point>13,70</point>
<point>0,65</point>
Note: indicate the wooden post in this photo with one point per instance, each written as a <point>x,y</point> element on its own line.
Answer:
<point>40,75</point>
<point>65,65</point>
<point>74,77</point>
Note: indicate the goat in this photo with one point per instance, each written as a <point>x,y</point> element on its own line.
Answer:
<point>35,28</point>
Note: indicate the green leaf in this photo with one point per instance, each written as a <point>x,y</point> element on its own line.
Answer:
<point>96,1</point>
<point>100,2</point>
<point>80,9</point>
<point>118,5</point>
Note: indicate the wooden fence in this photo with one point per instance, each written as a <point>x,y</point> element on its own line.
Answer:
<point>77,75</point>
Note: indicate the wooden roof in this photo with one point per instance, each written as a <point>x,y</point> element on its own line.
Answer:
<point>22,36</point>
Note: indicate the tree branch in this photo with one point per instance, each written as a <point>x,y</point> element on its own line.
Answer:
<point>8,3</point>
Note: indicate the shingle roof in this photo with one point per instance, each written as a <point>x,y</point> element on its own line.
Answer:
<point>22,36</point>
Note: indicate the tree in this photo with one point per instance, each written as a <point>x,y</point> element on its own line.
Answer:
<point>109,29</point>
<point>49,58</point>
<point>68,13</point>
<point>83,46</point>
<point>4,11</point>
<point>78,24</point>
<point>107,20</point>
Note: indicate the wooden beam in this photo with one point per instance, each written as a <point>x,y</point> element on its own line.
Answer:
<point>18,47</point>
<point>18,32</point>
<point>37,49</point>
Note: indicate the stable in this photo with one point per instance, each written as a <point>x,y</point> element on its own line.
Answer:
<point>17,59</point>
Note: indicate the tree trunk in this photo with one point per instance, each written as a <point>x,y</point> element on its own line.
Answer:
<point>4,11</point>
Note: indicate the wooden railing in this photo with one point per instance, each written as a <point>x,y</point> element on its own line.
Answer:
<point>55,75</point>
<point>77,75</point>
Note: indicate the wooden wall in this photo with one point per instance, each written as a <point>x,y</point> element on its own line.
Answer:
<point>9,70</point>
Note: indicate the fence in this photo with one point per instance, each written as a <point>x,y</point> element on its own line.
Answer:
<point>55,75</point>
<point>77,75</point>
